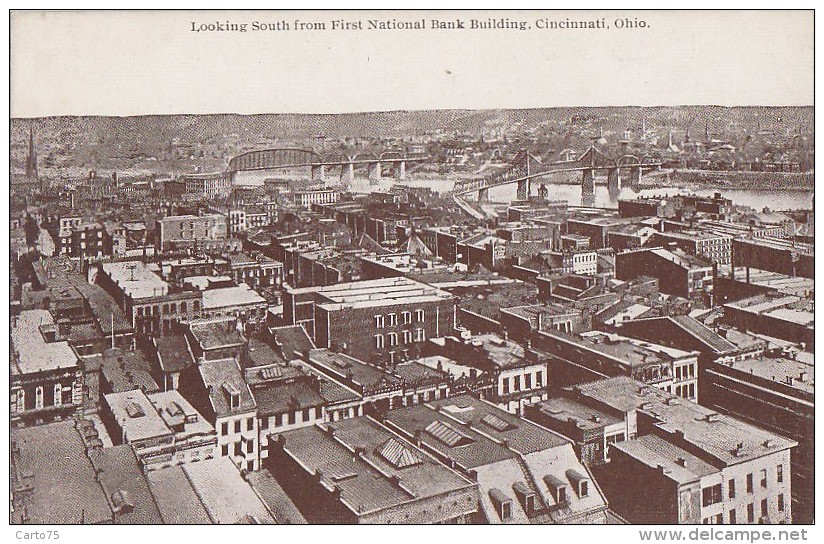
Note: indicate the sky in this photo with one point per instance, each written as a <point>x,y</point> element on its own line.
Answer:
<point>129,62</point>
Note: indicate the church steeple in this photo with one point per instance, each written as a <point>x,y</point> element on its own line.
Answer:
<point>31,159</point>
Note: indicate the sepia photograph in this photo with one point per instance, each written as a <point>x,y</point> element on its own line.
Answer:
<point>412,267</point>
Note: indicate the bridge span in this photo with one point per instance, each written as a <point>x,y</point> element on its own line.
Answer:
<point>286,158</point>
<point>525,167</point>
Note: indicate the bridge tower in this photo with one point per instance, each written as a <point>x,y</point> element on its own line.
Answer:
<point>375,173</point>
<point>347,171</point>
<point>635,178</point>
<point>400,170</point>
<point>318,172</point>
<point>588,175</point>
<point>613,181</point>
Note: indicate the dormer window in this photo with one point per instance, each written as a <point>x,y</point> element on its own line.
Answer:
<point>557,487</point>
<point>525,496</point>
<point>579,482</point>
<point>502,503</point>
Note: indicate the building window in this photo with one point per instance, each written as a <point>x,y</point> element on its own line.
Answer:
<point>250,446</point>
<point>237,426</point>
<point>250,424</point>
<point>318,412</point>
<point>749,483</point>
<point>711,495</point>
<point>539,379</point>
<point>292,417</point>
<point>38,397</point>
<point>379,322</point>
<point>779,473</point>
<point>781,502</point>
<point>393,339</point>
<point>419,316</point>
<point>393,320</point>
<point>407,337</point>
<point>238,448</point>
<point>306,414</point>
<point>750,513</point>
<point>264,423</point>
<point>250,466</point>
<point>58,395</point>
<point>224,428</point>
<point>407,318</point>
<point>224,449</point>
<point>764,508</point>
<point>764,478</point>
<point>517,386</point>
<point>379,342</point>
<point>731,488</point>
<point>584,488</point>
<point>278,420</point>
<point>528,381</point>
<point>420,335</point>
<point>732,516</point>
<point>505,388</point>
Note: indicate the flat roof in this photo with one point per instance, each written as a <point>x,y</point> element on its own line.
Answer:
<point>218,332</point>
<point>586,417</point>
<point>780,370</point>
<point>126,370</point>
<point>349,369</point>
<point>380,292</point>
<point>174,409</point>
<point>176,500</point>
<point>718,435</point>
<point>136,416</point>
<point>34,353</point>
<point>61,477</point>
<point>223,297</point>
<point>277,500</point>
<point>173,353</point>
<point>227,497</point>
<point>121,473</point>
<point>521,435</point>
<point>284,396</point>
<point>678,464</point>
<point>136,279</point>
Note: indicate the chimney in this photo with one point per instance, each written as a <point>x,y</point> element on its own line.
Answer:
<point>681,462</point>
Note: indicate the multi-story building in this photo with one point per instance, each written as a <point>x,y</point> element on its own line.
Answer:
<point>146,299</point>
<point>186,231</point>
<point>256,270</point>
<point>787,317</point>
<point>684,463</point>
<point>162,428</point>
<point>357,471</point>
<point>46,377</point>
<point>501,371</point>
<point>377,320</point>
<point>525,473</point>
<point>307,198</point>
<point>594,355</point>
<point>708,245</point>
<point>776,393</point>
<point>207,186</point>
<point>237,220</point>
<point>380,389</point>
<point>241,302</point>
<point>678,273</point>
<point>218,390</point>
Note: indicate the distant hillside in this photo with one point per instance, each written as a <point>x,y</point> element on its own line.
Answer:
<point>177,141</point>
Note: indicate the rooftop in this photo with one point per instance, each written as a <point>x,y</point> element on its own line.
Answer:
<point>227,497</point>
<point>136,279</point>
<point>135,414</point>
<point>371,293</point>
<point>173,353</point>
<point>125,484</point>
<point>176,500</point>
<point>231,296</point>
<point>126,371</point>
<point>726,439</point>
<point>61,477</point>
<point>34,353</point>
<point>217,332</point>
<point>793,373</point>
<point>222,379</point>
<point>563,409</point>
<point>677,464</point>
<point>277,501</point>
<point>279,397</point>
<point>366,481</point>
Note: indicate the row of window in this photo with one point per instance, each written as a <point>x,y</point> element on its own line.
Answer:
<point>527,379</point>
<point>238,426</point>
<point>684,372</point>
<point>713,495</point>
<point>732,515</point>
<point>290,418</point>
<point>685,391</point>
<point>238,448</point>
<point>392,319</point>
<point>392,338</point>
<point>167,309</point>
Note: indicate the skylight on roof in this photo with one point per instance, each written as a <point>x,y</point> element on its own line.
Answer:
<point>448,434</point>
<point>497,423</point>
<point>398,455</point>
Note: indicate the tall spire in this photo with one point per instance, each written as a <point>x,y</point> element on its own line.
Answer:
<point>31,159</point>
